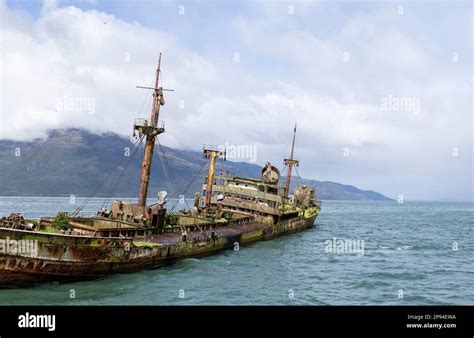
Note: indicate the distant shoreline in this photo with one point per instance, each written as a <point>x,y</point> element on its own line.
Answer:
<point>191,197</point>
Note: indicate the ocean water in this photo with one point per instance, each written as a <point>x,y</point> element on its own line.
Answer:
<point>413,253</point>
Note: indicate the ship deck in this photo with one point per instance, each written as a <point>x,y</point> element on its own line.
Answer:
<point>220,231</point>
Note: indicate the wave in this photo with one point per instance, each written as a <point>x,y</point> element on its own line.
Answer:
<point>397,275</point>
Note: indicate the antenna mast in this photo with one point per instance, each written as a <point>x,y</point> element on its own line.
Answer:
<point>290,162</point>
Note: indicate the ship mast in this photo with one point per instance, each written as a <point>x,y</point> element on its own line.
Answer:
<point>150,129</point>
<point>290,162</point>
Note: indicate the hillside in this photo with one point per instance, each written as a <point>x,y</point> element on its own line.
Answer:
<point>76,162</point>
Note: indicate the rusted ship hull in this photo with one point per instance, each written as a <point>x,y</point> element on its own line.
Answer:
<point>232,211</point>
<point>68,258</point>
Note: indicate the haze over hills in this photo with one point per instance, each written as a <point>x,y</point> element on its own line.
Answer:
<point>77,162</point>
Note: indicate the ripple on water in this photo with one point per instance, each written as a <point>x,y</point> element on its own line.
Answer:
<point>396,275</point>
<point>407,247</point>
<point>368,283</point>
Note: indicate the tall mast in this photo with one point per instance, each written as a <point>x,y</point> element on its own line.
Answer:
<point>150,129</point>
<point>290,162</point>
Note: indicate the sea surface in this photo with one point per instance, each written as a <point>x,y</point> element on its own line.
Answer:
<point>413,253</point>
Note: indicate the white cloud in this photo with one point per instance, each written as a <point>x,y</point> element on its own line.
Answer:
<point>68,53</point>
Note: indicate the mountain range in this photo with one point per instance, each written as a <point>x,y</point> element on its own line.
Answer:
<point>78,162</point>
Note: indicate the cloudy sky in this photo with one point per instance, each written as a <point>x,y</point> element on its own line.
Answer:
<point>382,93</point>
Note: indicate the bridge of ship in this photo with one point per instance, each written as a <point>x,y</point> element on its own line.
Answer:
<point>249,196</point>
